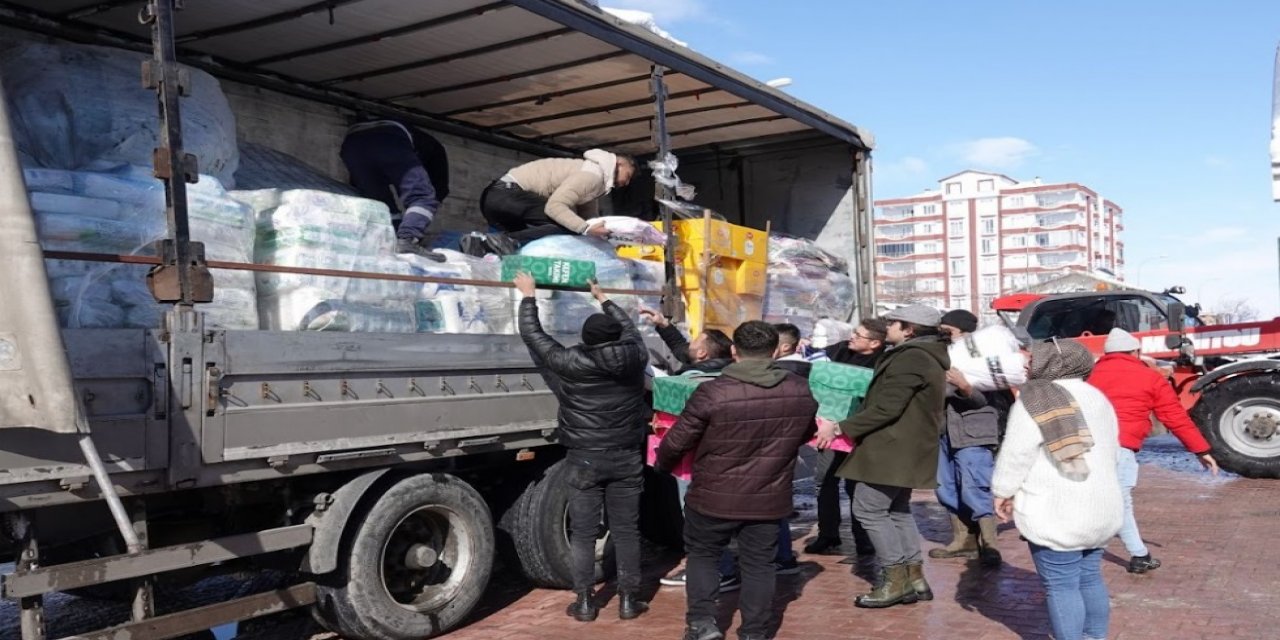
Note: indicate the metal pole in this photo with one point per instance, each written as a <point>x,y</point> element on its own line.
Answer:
<point>671,303</point>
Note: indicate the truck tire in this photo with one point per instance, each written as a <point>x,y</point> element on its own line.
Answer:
<point>1240,417</point>
<point>540,533</point>
<point>415,565</point>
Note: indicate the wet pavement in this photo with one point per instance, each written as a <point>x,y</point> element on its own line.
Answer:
<point>1214,536</point>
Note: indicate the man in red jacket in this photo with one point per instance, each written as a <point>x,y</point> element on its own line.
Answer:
<point>1136,390</point>
<point>745,428</point>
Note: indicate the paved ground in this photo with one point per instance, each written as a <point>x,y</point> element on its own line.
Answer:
<point>1215,537</point>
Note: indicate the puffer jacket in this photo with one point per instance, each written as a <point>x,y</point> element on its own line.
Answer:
<point>1136,391</point>
<point>745,428</point>
<point>600,387</point>
<point>896,429</point>
<point>678,345</point>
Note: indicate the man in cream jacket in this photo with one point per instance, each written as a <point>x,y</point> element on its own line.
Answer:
<point>548,197</point>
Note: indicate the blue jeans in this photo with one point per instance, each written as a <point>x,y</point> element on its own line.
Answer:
<point>964,481</point>
<point>1079,607</point>
<point>728,565</point>
<point>1127,470</point>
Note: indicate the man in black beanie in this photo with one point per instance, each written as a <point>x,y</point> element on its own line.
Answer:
<point>603,420</point>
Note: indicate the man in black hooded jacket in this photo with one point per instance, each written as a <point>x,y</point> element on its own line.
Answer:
<point>603,420</point>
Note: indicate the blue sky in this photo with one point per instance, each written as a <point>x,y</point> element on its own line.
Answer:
<point>1164,107</point>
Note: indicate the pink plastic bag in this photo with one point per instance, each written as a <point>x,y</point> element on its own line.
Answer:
<point>842,443</point>
<point>662,423</point>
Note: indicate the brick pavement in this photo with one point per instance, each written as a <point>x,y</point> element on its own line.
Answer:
<point>1218,581</point>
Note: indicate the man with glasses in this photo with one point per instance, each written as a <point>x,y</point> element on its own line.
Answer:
<point>863,350</point>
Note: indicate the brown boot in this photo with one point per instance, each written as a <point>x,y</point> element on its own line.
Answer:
<point>894,588</point>
<point>987,553</point>
<point>915,577</point>
<point>964,541</point>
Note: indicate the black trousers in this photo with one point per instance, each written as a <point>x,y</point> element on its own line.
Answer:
<point>521,214</point>
<point>382,160</point>
<point>606,486</point>
<point>829,511</point>
<point>705,539</point>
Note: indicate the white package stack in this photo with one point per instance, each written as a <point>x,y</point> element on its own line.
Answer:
<point>122,212</point>
<point>990,359</point>
<point>320,230</point>
<point>82,108</point>
<point>458,308</point>
<point>563,312</point>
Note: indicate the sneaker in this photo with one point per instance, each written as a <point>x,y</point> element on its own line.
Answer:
<point>1143,564</point>
<point>823,547</point>
<point>409,245</point>
<point>730,583</point>
<point>788,567</point>
<point>707,631</point>
<point>675,579</point>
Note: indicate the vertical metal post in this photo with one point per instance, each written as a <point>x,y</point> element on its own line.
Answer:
<point>31,613</point>
<point>671,307</point>
<point>182,278</point>
<point>143,602</point>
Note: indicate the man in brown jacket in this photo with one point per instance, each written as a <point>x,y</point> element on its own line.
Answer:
<point>745,428</point>
<point>551,196</point>
<point>896,435</point>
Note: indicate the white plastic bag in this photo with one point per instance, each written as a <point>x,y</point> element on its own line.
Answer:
<point>625,230</point>
<point>990,359</point>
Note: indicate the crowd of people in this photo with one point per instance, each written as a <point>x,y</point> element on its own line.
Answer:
<point>1057,460</point>
<point>1055,457</point>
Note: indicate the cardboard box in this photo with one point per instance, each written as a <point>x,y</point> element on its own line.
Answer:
<point>560,272</point>
<point>838,388</point>
<point>750,244</point>
<point>751,279</point>
<point>670,393</point>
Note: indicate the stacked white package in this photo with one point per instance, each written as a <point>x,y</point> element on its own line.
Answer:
<point>458,308</point>
<point>80,107</point>
<point>122,212</point>
<point>319,230</point>
<point>563,312</point>
<point>990,358</point>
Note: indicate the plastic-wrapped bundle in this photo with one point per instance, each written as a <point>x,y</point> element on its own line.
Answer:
<point>990,358</point>
<point>625,230</point>
<point>798,251</point>
<point>454,308</point>
<point>563,312</point>
<point>827,332</point>
<point>80,107</point>
<point>122,212</point>
<point>803,297</point>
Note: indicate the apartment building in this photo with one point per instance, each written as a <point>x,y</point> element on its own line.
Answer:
<point>980,235</point>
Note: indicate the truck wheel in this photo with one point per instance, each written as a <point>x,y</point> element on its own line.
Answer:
<point>541,533</point>
<point>1240,417</point>
<point>416,564</point>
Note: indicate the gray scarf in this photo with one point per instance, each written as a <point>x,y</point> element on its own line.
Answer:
<point>1066,435</point>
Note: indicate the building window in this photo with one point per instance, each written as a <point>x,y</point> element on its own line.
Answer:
<point>929,229</point>
<point>990,283</point>
<point>1016,242</point>
<point>988,246</point>
<point>959,283</point>
<point>929,209</point>
<point>958,264</point>
<point>988,226</point>
<point>1042,239</point>
<point>957,228</point>
<point>896,249</point>
<point>987,301</point>
<point>953,188</point>
<point>959,302</point>
<point>1017,202</point>
<point>986,185</point>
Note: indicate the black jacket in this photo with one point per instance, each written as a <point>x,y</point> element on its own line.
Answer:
<point>840,352</point>
<point>801,368</point>
<point>679,347</point>
<point>600,387</point>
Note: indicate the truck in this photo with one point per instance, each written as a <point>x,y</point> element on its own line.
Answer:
<point>382,472</point>
<point>1227,376</point>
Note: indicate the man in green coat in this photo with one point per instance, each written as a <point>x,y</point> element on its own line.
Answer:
<point>896,435</point>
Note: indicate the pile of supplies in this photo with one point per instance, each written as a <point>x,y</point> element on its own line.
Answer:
<point>806,284</point>
<point>990,358</point>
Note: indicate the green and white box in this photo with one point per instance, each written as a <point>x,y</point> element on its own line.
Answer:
<point>559,272</point>
<point>838,388</point>
<point>670,393</point>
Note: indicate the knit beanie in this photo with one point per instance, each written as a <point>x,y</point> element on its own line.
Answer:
<point>600,328</point>
<point>1121,341</point>
<point>960,319</point>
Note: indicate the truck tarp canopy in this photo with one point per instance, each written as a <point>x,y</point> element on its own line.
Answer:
<point>561,74</point>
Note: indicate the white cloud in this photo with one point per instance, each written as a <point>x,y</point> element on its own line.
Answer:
<point>664,11</point>
<point>1217,162</point>
<point>1212,273</point>
<point>751,58</point>
<point>995,153</point>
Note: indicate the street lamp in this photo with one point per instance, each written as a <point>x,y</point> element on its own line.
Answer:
<point>1138,271</point>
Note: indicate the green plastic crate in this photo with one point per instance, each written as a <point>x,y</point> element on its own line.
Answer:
<point>557,272</point>
<point>670,393</point>
<point>838,388</point>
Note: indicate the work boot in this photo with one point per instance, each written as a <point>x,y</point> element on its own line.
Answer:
<point>823,547</point>
<point>583,609</point>
<point>1143,564</point>
<point>630,606</point>
<point>703,631</point>
<point>915,575</point>
<point>964,542</point>
<point>410,245</point>
<point>988,556</point>
<point>894,588</point>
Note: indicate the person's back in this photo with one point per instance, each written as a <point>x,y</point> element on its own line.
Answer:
<point>1136,391</point>
<point>544,176</point>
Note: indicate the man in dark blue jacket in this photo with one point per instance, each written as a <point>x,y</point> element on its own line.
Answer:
<point>603,421</point>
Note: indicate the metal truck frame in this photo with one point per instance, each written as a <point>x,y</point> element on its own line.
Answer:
<point>382,471</point>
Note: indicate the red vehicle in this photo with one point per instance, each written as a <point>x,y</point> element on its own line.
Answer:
<point>1228,376</point>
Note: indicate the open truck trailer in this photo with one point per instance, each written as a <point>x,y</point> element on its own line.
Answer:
<point>383,471</point>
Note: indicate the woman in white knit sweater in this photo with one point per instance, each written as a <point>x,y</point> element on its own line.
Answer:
<point>1056,479</point>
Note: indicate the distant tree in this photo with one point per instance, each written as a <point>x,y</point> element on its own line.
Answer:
<point>1230,310</point>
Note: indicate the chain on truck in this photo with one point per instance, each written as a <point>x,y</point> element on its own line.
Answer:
<point>383,472</point>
